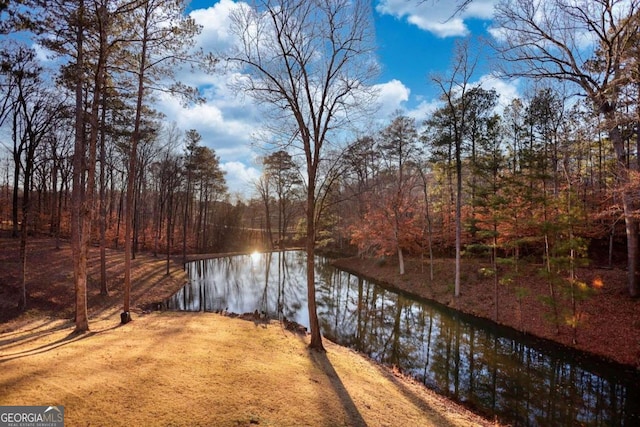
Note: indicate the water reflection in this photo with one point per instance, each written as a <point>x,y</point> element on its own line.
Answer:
<point>493,370</point>
<point>267,282</point>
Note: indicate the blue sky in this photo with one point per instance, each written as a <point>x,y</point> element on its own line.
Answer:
<point>415,39</point>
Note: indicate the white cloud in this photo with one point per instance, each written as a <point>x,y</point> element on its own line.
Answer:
<point>215,35</point>
<point>498,33</point>
<point>424,110</point>
<point>451,28</point>
<point>437,17</point>
<point>240,177</point>
<point>508,90</point>
<point>391,96</point>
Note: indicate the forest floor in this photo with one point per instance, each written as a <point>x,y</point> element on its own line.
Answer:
<point>167,368</point>
<point>608,320</point>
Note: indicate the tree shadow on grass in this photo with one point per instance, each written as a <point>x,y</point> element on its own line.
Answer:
<point>20,336</point>
<point>321,360</point>
<point>68,339</point>
<point>430,412</point>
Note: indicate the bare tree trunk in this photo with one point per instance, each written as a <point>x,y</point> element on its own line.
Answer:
<point>62,195</point>
<point>628,204</point>
<point>427,217</point>
<point>198,232</point>
<point>185,217</point>
<point>267,215</point>
<point>131,178</point>
<point>17,154</point>
<point>400,260</point>
<point>78,237</point>
<point>54,197</point>
<point>205,222</point>
<point>157,217</point>
<point>104,289</point>
<point>631,225</point>
<point>314,325</point>
<point>119,219</point>
<point>458,219</point>
<point>168,235</point>
<point>22,303</point>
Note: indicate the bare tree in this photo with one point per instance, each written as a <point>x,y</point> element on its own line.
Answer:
<point>582,42</point>
<point>455,93</point>
<point>32,109</point>
<point>309,61</point>
<point>39,112</point>
<point>18,77</point>
<point>263,187</point>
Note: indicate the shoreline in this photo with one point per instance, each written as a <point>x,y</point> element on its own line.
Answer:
<point>598,334</point>
<point>412,284</point>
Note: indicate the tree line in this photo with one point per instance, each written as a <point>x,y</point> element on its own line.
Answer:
<point>90,158</point>
<point>542,176</point>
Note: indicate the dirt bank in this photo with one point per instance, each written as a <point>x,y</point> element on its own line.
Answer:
<point>608,319</point>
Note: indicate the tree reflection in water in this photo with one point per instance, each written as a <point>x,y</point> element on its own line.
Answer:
<point>493,370</point>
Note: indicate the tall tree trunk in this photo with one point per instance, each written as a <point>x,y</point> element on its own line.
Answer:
<point>185,217</point>
<point>458,217</point>
<point>157,217</point>
<point>104,289</point>
<point>314,325</point>
<point>427,218</point>
<point>17,154</point>
<point>267,215</point>
<point>205,222</point>
<point>628,204</point>
<point>53,231</point>
<point>400,260</point>
<point>169,218</point>
<point>396,222</point>
<point>198,233</point>
<point>137,210</point>
<point>22,303</point>
<point>62,196</point>
<point>131,178</point>
<point>77,214</point>
<point>119,219</point>
<point>631,224</point>
<point>494,262</point>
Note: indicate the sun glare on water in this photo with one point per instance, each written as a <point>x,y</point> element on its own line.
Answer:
<point>255,256</point>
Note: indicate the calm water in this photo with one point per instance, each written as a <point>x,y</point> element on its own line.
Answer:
<point>493,370</point>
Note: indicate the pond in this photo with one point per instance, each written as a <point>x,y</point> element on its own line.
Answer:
<point>493,370</point>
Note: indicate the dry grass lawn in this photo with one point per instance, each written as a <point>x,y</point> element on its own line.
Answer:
<point>184,369</point>
<point>196,369</point>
